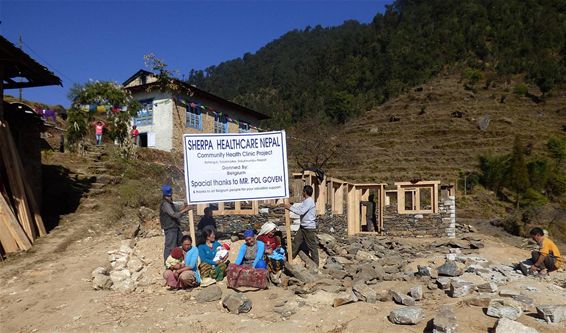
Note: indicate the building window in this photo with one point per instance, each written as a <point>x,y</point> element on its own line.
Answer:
<point>220,124</point>
<point>193,117</point>
<point>145,114</point>
<point>244,127</point>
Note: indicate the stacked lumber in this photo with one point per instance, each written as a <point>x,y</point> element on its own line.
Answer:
<point>20,219</point>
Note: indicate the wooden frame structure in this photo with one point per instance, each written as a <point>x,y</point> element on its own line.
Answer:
<point>335,190</point>
<point>413,191</point>
<point>357,213</point>
<point>319,188</point>
<point>222,210</point>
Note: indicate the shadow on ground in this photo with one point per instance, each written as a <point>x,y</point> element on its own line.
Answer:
<point>62,192</point>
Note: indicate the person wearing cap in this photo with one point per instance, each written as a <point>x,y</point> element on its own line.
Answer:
<point>307,230</point>
<point>274,253</point>
<point>251,252</point>
<point>169,220</point>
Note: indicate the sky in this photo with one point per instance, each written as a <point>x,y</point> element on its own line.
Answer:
<point>81,40</point>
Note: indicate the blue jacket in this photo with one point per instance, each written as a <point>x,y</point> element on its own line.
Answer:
<point>207,254</point>
<point>258,256</point>
<point>191,260</point>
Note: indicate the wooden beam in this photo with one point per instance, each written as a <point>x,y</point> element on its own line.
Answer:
<point>8,242</point>
<point>381,207</point>
<point>10,223</point>
<point>34,206</point>
<point>288,233</point>
<point>15,178</point>
<point>192,226</point>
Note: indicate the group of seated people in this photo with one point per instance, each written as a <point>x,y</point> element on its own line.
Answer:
<point>261,252</point>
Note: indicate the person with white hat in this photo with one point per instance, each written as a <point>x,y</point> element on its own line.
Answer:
<point>274,253</point>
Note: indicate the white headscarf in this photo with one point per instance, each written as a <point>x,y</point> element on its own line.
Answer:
<point>266,228</point>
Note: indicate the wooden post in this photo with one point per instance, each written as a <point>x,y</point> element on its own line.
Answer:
<point>288,232</point>
<point>381,207</point>
<point>192,226</point>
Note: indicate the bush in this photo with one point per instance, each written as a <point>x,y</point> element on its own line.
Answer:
<point>133,193</point>
<point>520,89</point>
<point>532,198</point>
<point>494,170</point>
<point>556,185</point>
<point>473,75</point>
<point>514,224</point>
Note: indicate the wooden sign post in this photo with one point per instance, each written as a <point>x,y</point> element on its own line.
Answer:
<point>288,231</point>
<point>192,226</point>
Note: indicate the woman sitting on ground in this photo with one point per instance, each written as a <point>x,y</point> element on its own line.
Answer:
<point>251,252</point>
<point>207,251</point>
<point>274,253</point>
<point>181,267</point>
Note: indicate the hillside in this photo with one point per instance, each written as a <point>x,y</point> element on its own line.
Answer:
<point>430,142</point>
<point>336,73</point>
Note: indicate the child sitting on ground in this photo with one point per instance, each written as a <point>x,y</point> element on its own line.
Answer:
<point>176,259</point>
<point>222,252</point>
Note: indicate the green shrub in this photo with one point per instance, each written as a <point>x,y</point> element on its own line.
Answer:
<point>539,171</point>
<point>557,148</point>
<point>514,224</point>
<point>520,89</point>
<point>556,185</point>
<point>494,170</point>
<point>532,198</point>
<point>134,193</point>
<point>472,75</point>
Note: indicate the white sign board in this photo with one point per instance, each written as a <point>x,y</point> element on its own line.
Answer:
<point>235,167</point>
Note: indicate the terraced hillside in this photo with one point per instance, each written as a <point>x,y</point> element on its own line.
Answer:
<point>429,141</point>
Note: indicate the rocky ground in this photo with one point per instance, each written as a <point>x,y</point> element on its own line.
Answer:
<point>93,274</point>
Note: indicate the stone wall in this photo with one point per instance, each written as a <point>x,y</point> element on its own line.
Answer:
<point>442,224</point>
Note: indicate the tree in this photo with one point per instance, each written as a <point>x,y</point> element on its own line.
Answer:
<point>518,172</point>
<point>494,171</point>
<point>312,145</point>
<point>117,107</point>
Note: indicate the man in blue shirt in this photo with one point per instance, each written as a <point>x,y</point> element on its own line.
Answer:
<point>307,231</point>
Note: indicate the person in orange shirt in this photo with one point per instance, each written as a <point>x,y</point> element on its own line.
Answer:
<point>547,258</point>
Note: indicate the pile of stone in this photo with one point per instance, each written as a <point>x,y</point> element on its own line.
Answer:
<point>125,272</point>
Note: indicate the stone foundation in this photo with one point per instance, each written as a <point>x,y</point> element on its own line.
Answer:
<point>442,224</point>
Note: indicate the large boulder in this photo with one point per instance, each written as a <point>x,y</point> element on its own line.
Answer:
<point>449,268</point>
<point>101,279</point>
<point>505,325</point>
<point>460,289</point>
<point>237,303</point>
<point>362,255</point>
<point>365,293</point>
<point>504,308</point>
<point>401,298</point>
<point>416,292</point>
<point>344,298</point>
<point>487,287</point>
<point>445,321</point>
<point>300,273</point>
<point>409,315</point>
<point>209,294</point>
<point>552,313</point>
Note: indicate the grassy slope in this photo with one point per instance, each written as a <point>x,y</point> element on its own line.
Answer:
<point>436,145</point>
